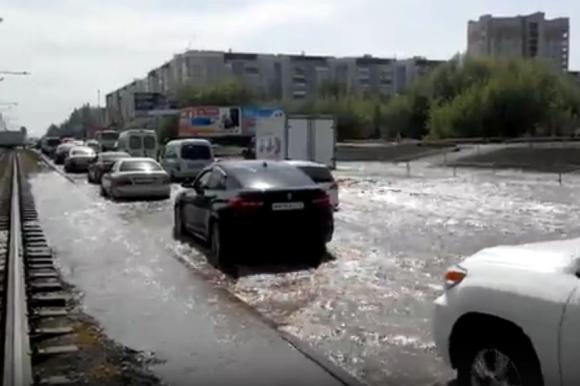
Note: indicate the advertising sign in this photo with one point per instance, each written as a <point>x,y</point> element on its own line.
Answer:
<point>270,137</point>
<point>208,121</point>
<point>253,115</point>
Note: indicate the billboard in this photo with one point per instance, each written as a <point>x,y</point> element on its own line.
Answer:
<point>208,121</point>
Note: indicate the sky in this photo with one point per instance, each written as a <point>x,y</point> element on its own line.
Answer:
<point>73,48</point>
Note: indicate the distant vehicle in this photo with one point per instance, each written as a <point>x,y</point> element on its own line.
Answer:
<point>78,159</point>
<point>12,138</point>
<point>67,140</point>
<point>93,144</point>
<point>61,152</point>
<point>138,143</point>
<point>136,178</point>
<point>322,176</point>
<point>103,164</point>
<point>107,139</point>
<point>236,204</point>
<point>185,158</point>
<point>48,145</point>
<point>510,315</point>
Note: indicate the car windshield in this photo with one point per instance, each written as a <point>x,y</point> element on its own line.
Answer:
<point>271,177</point>
<point>193,151</point>
<point>108,157</point>
<point>139,166</point>
<point>109,135</point>
<point>53,142</point>
<point>318,174</point>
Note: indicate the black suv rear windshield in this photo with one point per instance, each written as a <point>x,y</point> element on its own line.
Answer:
<point>318,174</point>
<point>53,142</point>
<point>194,151</point>
<point>107,135</point>
<point>271,177</point>
<point>139,166</point>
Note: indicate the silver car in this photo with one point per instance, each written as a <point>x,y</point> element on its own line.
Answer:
<point>136,178</point>
<point>78,159</point>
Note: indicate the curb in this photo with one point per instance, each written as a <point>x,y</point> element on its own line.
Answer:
<point>326,364</point>
<point>296,343</point>
<point>50,164</point>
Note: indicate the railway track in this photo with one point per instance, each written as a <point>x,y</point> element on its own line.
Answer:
<point>33,301</point>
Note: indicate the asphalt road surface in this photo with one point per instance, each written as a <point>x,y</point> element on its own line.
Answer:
<point>368,308</point>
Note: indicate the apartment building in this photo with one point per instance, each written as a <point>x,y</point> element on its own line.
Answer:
<point>279,78</point>
<point>365,75</point>
<point>407,71</point>
<point>531,36</point>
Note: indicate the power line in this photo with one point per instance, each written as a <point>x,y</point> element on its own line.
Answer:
<point>15,72</point>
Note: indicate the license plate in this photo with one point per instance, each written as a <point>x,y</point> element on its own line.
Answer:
<point>287,206</point>
<point>144,181</point>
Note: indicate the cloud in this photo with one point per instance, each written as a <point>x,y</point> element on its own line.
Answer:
<point>73,48</point>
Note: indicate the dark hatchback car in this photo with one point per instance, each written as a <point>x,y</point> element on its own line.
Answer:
<point>241,206</point>
<point>103,164</point>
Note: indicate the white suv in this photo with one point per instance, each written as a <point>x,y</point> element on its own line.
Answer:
<point>510,315</point>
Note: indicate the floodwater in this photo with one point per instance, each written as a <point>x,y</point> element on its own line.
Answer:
<point>368,308</point>
<point>121,259</point>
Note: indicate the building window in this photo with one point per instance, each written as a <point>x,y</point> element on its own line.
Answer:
<point>299,94</point>
<point>299,84</point>
<point>364,72</point>
<point>195,71</point>
<point>252,71</point>
<point>298,74</point>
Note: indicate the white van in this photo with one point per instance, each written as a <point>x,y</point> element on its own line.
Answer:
<point>107,139</point>
<point>138,143</point>
<point>185,158</point>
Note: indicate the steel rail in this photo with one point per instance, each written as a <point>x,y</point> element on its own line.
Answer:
<point>17,367</point>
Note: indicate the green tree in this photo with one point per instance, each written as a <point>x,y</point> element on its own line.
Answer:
<point>168,129</point>
<point>487,98</point>
<point>332,89</point>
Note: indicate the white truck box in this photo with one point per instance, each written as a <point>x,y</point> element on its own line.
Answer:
<point>298,137</point>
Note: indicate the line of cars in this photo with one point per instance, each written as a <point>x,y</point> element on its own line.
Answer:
<point>508,315</point>
<point>229,204</point>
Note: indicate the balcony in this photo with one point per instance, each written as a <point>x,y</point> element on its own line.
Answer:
<point>299,94</point>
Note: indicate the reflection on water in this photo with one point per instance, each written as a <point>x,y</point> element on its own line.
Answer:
<point>368,309</point>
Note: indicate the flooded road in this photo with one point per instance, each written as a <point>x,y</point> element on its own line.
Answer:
<point>120,258</point>
<point>368,308</point>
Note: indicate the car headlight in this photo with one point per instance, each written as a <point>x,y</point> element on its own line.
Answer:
<point>454,276</point>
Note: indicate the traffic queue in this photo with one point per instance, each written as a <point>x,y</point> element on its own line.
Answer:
<point>225,203</point>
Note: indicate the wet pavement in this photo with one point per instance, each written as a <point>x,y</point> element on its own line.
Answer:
<point>368,308</point>
<point>120,257</point>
